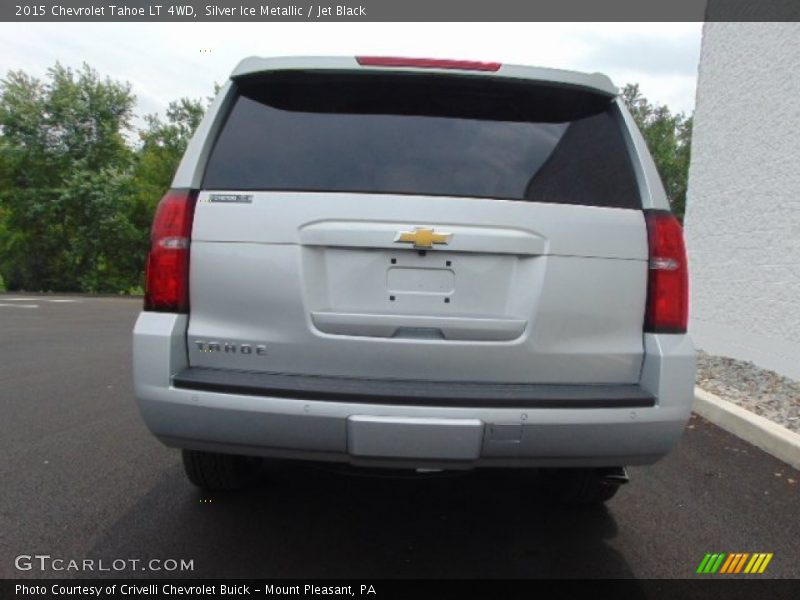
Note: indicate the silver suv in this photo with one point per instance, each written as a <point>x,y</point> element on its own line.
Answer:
<point>419,264</point>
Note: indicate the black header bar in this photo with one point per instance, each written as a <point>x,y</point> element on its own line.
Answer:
<point>398,10</point>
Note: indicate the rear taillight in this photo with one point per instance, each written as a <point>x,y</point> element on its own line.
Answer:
<point>167,287</point>
<point>426,63</point>
<point>668,275</point>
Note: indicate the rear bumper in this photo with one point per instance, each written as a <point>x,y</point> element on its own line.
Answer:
<point>637,425</point>
<point>442,394</point>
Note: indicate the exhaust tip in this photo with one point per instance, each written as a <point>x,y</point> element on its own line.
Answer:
<point>615,476</point>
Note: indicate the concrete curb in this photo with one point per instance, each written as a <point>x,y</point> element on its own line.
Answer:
<point>755,429</point>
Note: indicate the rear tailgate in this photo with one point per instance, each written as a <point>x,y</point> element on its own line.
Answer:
<point>419,227</point>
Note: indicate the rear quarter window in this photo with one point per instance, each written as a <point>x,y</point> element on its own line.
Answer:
<point>417,134</point>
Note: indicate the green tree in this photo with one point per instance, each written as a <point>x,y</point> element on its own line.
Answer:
<point>668,137</point>
<point>163,143</point>
<point>76,196</point>
<point>65,182</point>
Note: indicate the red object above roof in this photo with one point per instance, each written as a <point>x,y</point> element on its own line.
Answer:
<point>427,63</point>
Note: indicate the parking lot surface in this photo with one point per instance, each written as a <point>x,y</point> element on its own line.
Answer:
<point>83,479</point>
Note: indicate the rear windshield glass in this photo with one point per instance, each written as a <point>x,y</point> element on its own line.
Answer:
<point>418,134</point>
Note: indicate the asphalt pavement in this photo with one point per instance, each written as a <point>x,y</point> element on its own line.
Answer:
<point>82,479</point>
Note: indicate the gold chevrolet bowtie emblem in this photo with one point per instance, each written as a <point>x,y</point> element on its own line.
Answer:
<point>423,237</point>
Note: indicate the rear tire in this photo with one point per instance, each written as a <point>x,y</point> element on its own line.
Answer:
<point>220,472</point>
<point>580,487</point>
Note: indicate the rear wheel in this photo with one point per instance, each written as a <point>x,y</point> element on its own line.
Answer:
<point>219,472</point>
<point>582,487</point>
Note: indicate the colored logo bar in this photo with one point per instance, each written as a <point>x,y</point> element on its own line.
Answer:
<point>734,562</point>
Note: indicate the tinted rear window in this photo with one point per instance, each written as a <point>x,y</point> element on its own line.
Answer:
<point>418,134</point>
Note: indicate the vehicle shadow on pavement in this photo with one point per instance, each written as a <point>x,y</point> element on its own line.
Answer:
<point>322,521</point>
